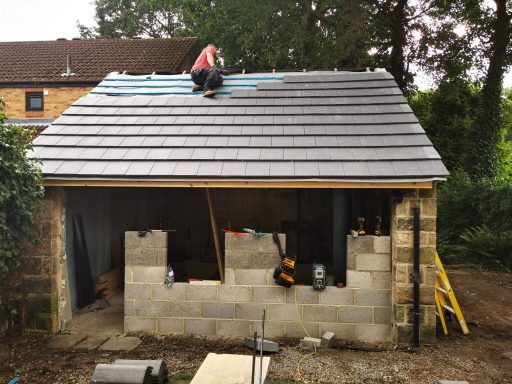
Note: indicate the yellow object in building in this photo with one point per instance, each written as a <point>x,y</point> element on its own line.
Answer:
<point>443,294</point>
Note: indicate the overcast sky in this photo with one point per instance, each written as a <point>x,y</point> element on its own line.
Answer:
<point>26,20</point>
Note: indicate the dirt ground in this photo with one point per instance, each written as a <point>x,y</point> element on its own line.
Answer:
<point>484,356</point>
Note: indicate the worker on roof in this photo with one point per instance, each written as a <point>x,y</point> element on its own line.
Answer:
<point>205,75</point>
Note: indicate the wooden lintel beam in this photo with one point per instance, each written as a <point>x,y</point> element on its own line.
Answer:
<point>238,184</point>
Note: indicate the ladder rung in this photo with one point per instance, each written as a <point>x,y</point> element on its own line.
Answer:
<point>441,290</point>
<point>449,309</point>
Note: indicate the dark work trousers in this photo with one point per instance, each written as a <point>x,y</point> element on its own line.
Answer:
<point>208,78</point>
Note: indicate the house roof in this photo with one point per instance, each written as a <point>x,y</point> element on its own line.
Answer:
<point>322,126</point>
<point>91,60</point>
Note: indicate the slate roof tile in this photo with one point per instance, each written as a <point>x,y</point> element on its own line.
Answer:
<point>310,126</point>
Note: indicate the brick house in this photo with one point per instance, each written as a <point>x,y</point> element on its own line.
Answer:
<point>304,154</point>
<point>36,85</point>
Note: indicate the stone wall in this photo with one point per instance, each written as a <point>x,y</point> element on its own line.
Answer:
<point>402,255</point>
<point>361,312</point>
<point>43,266</point>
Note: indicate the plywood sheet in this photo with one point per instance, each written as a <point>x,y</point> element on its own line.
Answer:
<point>229,369</point>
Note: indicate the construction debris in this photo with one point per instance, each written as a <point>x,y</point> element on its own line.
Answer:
<point>327,340</point>
<point>310,343</point>
<point>121,374</point>
<point>268,345</point>
<point>159,371</point>
<point>109,284</point>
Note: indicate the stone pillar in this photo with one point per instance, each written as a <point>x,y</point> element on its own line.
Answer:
<point>402,259</point>
<point>43,265</point>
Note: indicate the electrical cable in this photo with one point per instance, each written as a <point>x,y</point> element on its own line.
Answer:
<point>309,355</point>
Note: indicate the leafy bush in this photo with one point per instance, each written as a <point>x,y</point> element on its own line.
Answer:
<point>465,208</point>
<point>489,245</point>
<point>20,194</point>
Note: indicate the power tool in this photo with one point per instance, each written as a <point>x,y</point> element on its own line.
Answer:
<point>319,277</point>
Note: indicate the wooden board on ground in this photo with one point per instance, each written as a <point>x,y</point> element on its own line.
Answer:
<point>229,369</point>
<point>109,284</point>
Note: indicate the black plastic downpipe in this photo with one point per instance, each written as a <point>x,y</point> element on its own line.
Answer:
<point>416,277</point>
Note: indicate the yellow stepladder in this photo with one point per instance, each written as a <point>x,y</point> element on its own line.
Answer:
<point>443,293</point>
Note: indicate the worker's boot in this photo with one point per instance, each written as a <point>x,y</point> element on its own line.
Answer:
<point>197,87</point>
<point>209,93</point>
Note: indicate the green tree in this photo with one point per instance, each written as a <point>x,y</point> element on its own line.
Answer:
<point>486,132</point>
<point>20,193</point>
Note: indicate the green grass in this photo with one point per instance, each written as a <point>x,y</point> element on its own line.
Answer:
<point>186,378</point>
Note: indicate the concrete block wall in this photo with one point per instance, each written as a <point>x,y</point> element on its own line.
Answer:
<point>402,259</point>
<point>234,309</point>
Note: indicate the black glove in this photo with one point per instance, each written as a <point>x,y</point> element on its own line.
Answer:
<point>224,72</point>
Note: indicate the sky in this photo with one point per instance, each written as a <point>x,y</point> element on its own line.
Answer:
<point>27,20</point>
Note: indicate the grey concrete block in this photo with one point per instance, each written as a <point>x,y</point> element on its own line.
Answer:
<point>238,259</point>
<point>373,262</point>
<point>373,333</point>
<point>269,294</point>
<point>233,328</point>
<point>337,296</point>
<point>152,308</point>
<point>218,310</point>
<point>351,314</point>
<point>382,244</point>
<point>358,279</point>
<point>155,239</point>
<point>284,312</point>
<point>250,311</point>
<point>294,329</point>
<point>268,345</point>
<point>253,243</point>
<point>146,256</point>
<point>362,244</point>
<point>320,313</point>
<point>128,274</point>
<point>176,292</point>
<point>170,326</point>
<point>272,328</point>
<point>148,274</point>
<point>351,260</point>
<point>327,339</point>
<point>229,276</point>
<point>381,280</point>
<point>135,324</point>
<point>201,292</point>
<point>372,297</point>
<point>131,240</point>
<point>251,276</point>
<point>230,293</point>
<point>137,292</point>
<point>203,327</point>
<point>382,315</point>
<point>185,309</point>
<point>129,308</point>
<point>305,295</point>
<point>309,343</point>
<point>343,332</point>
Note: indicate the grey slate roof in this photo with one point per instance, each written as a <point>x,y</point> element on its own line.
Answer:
<point>309,126</point>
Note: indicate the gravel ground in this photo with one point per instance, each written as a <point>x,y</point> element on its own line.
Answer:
<point>484,356</point>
